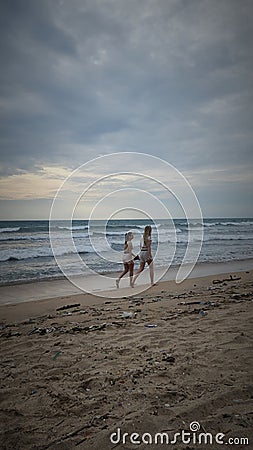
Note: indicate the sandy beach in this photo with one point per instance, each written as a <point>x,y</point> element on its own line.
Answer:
<point>79,371</point>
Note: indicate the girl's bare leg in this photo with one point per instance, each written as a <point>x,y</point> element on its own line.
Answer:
<point>151,272</point>
<point>131,268</point>
<point>142,265</point>
<point>126,269</point>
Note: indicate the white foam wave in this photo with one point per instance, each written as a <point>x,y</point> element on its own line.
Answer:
<point>211,224</point>
<point>110,233</point>
<point>77,227</point>
<point>42,237</point>
<point>228,223</point>
<point>9,229</point>
<point>100,246</point>
<point>237,223</point>
<point>184,239</point>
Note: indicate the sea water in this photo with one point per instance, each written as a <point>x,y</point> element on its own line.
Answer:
<point>26,253</point>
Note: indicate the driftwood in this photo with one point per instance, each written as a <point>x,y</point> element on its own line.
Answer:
<point>62,308</point>
<point>226,279</point>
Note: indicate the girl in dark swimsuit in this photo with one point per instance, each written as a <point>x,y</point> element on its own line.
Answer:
<point>146,255</point>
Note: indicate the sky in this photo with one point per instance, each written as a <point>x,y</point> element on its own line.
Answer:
<point>84,78</point>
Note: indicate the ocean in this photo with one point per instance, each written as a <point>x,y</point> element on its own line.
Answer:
<point>26,254</point>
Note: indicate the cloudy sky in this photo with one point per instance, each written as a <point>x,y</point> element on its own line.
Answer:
<point>85,78</point>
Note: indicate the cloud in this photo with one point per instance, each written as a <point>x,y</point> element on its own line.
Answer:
<point>81,79</point>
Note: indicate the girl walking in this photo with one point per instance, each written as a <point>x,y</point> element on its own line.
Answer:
<point>128,259</point>
<point>146,255</point>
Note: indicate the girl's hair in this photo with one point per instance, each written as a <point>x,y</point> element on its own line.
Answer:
<point>146,234</point>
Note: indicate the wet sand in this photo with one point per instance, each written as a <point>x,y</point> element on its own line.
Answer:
<point>153,362</point>
<point>104,285</point>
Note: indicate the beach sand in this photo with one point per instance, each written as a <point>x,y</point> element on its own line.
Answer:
<point>72,377</point>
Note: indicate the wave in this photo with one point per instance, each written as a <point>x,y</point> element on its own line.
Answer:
<point>195,225</point>
<point>229,238</point>
<point>9,229</point>
<point>24,254</point>
<point>236,223</point>
<point>129,225</point>
<point>11,258</point>
<point>25,257</point>
<point>44,237</point>
<point>211,224</point>
<point>41,228</point>
<point>212,239</point>
<point>228,223</point>
<point>109,233</point>
<point>13,238</point>
<point>76,227</point>
<point>99,226</point>
<point>27,229</point>
<point>114,233</point>
<point>182,226</point>
<point>25,238</point>
<point>198,226</point>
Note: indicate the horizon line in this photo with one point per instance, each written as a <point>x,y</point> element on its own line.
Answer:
<point>128,218</point>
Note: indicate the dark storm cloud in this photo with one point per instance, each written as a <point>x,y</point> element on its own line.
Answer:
<point>170,78</point>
